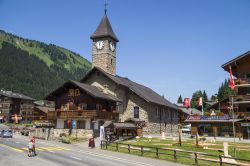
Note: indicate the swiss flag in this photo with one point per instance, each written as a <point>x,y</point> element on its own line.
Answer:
<point>231,81</point>
<point>186,102</point>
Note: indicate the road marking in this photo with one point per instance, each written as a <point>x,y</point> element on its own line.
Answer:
<point>73,157</point>
<point>39,149</point>
<point>16,149</point>
<point>53,148</point>
<point>51,151</point>
<point>114,158</point>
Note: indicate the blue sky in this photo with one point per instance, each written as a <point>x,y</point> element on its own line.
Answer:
<point>175,47</point>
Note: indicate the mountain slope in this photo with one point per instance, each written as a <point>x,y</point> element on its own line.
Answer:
<point>35,68</point>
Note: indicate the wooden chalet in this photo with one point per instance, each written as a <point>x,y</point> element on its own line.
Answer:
<point>88,105</point>
<point>233,110</point>
<point>15,107</point>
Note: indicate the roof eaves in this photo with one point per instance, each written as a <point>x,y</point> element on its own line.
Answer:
<point>235,59</point>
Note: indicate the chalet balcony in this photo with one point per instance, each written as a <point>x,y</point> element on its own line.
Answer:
<point>71,114</point>
<point>240,99</point>
<point>242,115</point>
<point>242,82</point>
<point>52,115</point>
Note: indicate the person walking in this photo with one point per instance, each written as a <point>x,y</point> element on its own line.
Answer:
<point>33,139</point>
<point>92,142</point>
<point>31,148</point>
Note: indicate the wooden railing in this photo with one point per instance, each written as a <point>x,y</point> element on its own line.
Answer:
<point>242,81</point>
<point>175,153</point>
<point>82,114</point>
<point>241,98</point>
<point>108,115</point>
<point>71,114</point>
<point>242,114</point>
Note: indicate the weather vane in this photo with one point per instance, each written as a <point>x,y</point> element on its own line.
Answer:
<point>105,7</point>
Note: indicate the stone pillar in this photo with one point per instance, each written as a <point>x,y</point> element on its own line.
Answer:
<point>163,135</point>
<point>215,131</point>
<point>225,145</point>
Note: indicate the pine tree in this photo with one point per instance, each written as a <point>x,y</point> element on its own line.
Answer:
<point>224,91</point>
<point>204,95</point>
<point>195,97</point>
<point>180,99</point>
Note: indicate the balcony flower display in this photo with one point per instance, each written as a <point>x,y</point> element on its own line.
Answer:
<point>79,110</point>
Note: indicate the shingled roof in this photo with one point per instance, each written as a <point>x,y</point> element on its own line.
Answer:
<point>144,92</point>
<point>104,29</point>
<point>14,95</point>
<point>91,90</point>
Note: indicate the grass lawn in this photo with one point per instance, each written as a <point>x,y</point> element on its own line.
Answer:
<point>242,150</point>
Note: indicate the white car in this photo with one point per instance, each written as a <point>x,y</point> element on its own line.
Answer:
<point>186,129</point>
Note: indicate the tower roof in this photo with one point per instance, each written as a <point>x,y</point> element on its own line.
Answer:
<point>104,29</point>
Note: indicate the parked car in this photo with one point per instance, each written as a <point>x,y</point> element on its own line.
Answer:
<point>7,133</point>
<point>186,129</point>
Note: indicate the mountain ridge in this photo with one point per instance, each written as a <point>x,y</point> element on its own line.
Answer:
<point>35,68</point>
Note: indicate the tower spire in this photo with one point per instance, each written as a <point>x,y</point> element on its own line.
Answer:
<point>105,7</point>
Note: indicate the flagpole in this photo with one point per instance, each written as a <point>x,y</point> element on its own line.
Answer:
<point>202,109</point>
<point>233,125</point>
<point>232,86</point>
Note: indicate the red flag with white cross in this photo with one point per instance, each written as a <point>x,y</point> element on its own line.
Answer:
<point>231,81</point>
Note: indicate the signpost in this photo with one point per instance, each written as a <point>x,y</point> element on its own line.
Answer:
<point>74,126</point>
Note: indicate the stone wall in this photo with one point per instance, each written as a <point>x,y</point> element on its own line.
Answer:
<point>134,100</point>
<point>80,133</point>
<point>147,111</point>
<point>104,58</point>
<point>52,134</point>
<point>99,80</point>
<point>43,133</point>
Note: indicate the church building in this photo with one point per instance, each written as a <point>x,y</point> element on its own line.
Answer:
<point>102,95</point>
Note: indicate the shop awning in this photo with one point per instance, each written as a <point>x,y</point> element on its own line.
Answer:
<point>213,121</point>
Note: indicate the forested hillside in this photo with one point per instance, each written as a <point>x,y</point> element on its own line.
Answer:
<point>35,68</point>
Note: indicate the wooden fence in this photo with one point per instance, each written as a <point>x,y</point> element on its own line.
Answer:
<point>176,153</point>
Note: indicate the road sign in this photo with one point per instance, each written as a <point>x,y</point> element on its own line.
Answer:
<point>73,124</point>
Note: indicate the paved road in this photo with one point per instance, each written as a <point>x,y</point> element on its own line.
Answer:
<point>13,152</point>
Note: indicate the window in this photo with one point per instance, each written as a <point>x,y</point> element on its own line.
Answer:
<point>157,112</point>
<point>111,60</point>
<point>81,124</point>
<point>77,92</point>
<point>136,112</point>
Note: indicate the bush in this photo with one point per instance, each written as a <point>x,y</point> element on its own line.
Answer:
<point>66,140</point>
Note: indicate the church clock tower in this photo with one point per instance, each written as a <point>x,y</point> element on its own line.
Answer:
<point>104,47</point>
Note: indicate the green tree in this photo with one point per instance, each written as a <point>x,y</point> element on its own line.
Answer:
<point>180,99</point>
<point>24,71</point>
<point>225,91</point>
<point>204,95</point>
<point>194,101</point>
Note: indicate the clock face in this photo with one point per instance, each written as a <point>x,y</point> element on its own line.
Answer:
<point>112,46</point>
<point>99,45</point>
